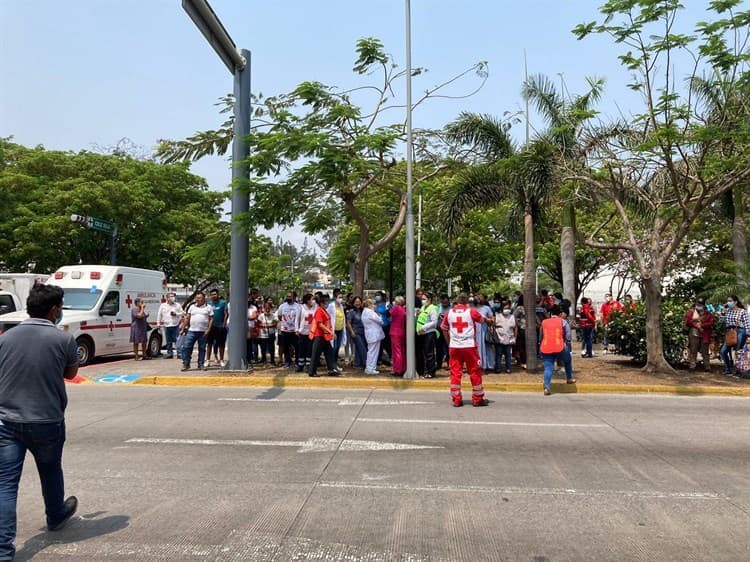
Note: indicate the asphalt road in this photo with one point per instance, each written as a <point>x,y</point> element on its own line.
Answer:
<point>345,475</point>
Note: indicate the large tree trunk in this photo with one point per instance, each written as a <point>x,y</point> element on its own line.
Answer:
<point>529,291</point>
<point>568,253</point>
<point>739,239</point>
<point>655,361</point>
<point>360,267</point>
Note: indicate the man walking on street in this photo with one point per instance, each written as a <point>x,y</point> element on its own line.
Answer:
<point>32,410</point>
<point>169,317</point>
<point>458,326</point>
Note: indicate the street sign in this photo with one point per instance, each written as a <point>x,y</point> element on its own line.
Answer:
<point>101,225</point>
<point>95,224</point>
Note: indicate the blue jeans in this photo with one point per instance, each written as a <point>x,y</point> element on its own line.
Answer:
<point>500,350</point>
<point>549,365</point>
<point>45,441</point>
<point>726,352</point>
<point>187,349</point>
<point>337,344</point>
<point>587,343</point>
<point>170,334</point>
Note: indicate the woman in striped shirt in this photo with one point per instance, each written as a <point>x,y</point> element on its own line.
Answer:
<point>734,316</point>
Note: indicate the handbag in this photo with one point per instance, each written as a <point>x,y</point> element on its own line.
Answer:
<point>492,337</point>
<point>742,361</point>
<point>730,338</point>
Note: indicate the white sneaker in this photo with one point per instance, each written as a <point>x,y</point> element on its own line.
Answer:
<point>222,363</point>
<point>208,363</point>
<point>583,352</point>
<point>605,351</point>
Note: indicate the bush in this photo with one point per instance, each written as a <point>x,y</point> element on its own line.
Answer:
<point>627,330</point>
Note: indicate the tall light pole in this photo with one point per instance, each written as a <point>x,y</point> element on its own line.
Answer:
<point>411,356</point>
<point>238,63</point>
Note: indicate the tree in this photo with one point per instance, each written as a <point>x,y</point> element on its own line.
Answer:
<point>315,153</point>
<point>501,173</point>
<point>667,165</point>
<point>161,210</point>
<point>565,117</point>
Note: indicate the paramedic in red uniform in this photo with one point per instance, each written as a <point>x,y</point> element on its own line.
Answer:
<point>554,347</point>
<point>458,326</point>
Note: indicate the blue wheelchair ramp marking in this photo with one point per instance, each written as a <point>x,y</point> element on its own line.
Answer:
<point>116,378</point>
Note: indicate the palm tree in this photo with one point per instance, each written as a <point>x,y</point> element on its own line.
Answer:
<point>726,100</point>
<point>564,118</point>
<point>503,173</point>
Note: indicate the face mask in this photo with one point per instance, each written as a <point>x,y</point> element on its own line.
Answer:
<point>506,311</point>
<point>424,302</point>
<point>378,299</point>
<point>699,308</point>
<point>289,300</point>
<point>59,318</point>
<point>496,306</point>
<point>608,299</point>
<point>340,301</point>
<point>730,304</point>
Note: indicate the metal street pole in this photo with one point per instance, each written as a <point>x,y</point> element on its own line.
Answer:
<point>239,247</point>
<point>411,356</point>
<point>113,247</point>
<point>238,63</point>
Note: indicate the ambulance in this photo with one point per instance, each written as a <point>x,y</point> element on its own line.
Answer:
<point>97,307</point>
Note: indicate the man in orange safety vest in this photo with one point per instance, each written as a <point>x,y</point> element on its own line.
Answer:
<point>555,336</point>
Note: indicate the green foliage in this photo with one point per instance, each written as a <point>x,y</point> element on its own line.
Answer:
<point>161,211</point>
<point>628,329</point>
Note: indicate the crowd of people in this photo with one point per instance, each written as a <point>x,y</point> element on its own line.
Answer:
<point>370,333</point>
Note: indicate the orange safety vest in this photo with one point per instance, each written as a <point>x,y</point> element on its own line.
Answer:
<point>553,336</point>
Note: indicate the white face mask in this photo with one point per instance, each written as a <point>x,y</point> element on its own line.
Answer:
<point>340,301</point>
<point>506,311</point>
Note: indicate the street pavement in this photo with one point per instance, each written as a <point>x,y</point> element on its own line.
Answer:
<point>275,474</point>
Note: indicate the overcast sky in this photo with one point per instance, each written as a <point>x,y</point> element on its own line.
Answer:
<point>80,73</point>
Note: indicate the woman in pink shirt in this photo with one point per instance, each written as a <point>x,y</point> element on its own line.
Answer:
<point>398,337</point>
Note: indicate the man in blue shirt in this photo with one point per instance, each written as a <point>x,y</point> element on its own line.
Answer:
<point>32,409</point>
<point>217,337</point>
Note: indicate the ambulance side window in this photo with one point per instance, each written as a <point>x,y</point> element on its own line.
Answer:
<point>111,304</point>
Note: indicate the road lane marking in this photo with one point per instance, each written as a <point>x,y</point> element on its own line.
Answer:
<point>471,422</point>
<point>337,401</point>
<point>523,491</point>
<point>312,445</point>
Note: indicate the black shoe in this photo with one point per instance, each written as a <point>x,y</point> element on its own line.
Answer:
<point>71,505</point>
<point>316,375</point>
<point>484,402</point>
<point>300,369</point>
<point>333,373</point>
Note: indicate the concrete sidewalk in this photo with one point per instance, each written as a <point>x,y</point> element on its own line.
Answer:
<point>166,372</point>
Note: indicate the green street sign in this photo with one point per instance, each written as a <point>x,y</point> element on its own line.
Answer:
<point>101,225</point>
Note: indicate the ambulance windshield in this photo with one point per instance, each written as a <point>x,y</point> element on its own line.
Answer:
<point>81,299</point>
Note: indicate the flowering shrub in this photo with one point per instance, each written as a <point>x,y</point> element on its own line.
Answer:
<point>627,330</point>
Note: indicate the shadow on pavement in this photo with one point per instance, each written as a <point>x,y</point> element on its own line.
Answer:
<point>79,529</point>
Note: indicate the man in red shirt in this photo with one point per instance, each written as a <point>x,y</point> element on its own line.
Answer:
<point>458,327</point>
<point>608,307</point>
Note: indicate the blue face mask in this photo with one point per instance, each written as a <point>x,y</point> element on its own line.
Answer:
<point>730,304</point>
<point>378,298</point>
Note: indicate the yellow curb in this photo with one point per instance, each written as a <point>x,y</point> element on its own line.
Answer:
<point>437,384</point>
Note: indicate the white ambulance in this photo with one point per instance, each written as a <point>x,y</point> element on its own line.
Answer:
<point>98,304</point>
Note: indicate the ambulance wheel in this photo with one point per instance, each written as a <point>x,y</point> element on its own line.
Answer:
<point>154,344</point>
<point>85,351</point>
